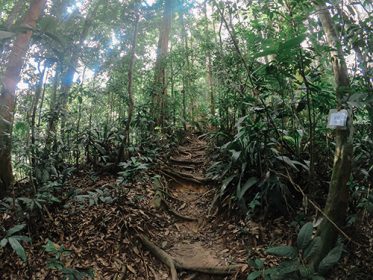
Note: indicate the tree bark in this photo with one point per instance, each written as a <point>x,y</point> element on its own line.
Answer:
<point>160,87</point>
<point>9,81</point>
<point>337,201</point>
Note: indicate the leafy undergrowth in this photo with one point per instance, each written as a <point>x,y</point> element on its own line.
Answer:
<point>93,231</point>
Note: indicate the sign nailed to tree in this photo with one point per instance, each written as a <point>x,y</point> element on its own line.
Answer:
<point>337,119</point>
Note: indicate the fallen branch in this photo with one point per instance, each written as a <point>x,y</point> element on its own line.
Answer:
<point>173,263</point>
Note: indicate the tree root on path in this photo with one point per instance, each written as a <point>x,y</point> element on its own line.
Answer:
<point>192,148</point>
<point>187,161</point>
<point>177,214</point>
<point>174,263</point>
<point>186,176</point>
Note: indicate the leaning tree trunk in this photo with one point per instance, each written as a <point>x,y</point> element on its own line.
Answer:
<point>9,81</point>
<point>337,201</point>
<point>160,88</point>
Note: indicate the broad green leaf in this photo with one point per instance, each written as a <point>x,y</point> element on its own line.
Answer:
<point>3,242</point>
<point>331,259</point>
<point>288,161</point>
<point>22,238</point>
<point>282,251</point>
<point>292,43</point>
<point>289,139</point>
<point>304,236</point>
<point>235,154</point>
<point>249,183</point>
<point>283,270</point>
<point>50,247</point>
<point>17,247</point>
<point>254,275</point>
<point>313,248</point>
<point>259,263</point>
<point>15,229</point>
<point>317,277</point>
<point>266,52</point>
<point>226,183</point>
<point>306,271</point>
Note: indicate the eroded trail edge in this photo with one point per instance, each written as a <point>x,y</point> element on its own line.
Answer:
<point>196,244</point>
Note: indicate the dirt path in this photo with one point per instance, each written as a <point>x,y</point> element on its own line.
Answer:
<point>123,231</point>
<point>196,239</point>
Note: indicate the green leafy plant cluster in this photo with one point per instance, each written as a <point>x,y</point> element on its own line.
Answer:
<point>131,168</point>
<point>96,196</point>
<point>298,259</point>
<point>253,161</point>
<point>14,240</point>
<point>55,263</point>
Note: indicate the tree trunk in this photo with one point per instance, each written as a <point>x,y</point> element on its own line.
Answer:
<point>186,77</point>
<point>68,77</point>
<point>337,201</point>
<point>130,88</point>
<point>9,81</point>
<point>160,87</point>
<point>34,107</point>
<point>58,106</point>
<point>209,62</point>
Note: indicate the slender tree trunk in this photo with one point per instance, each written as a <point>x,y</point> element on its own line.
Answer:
<point>9,81</point>
<point>53,115</point>
<point>34,107</point>
<point>68,77</point>
<point>160,87</point>
<point>131,104</point>
<point>186,77</point>
<point>209,62</point>
<point>58,110</point>
<point>337,201</point>
<point>43,97</point>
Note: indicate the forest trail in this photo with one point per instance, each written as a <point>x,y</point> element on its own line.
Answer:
<point>133,230</point>
<point>196,240</point>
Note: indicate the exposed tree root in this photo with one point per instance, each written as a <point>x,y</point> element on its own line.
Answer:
<point>191,149</point>
<point>171,177</point>
<point>174,263</point>
<point>186,176</point>
<point>185,153</point>
<point>160,254</point>
<point>177,214</point>
<point>187,161</point>
<point>187,167</point>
